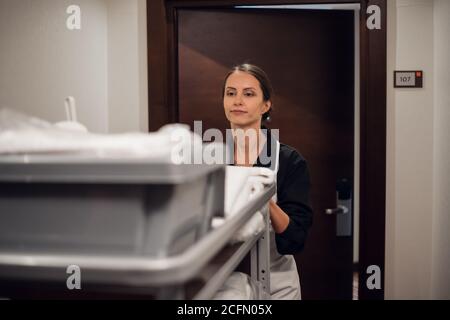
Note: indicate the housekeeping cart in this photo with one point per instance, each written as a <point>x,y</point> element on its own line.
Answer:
<point>125,227</point>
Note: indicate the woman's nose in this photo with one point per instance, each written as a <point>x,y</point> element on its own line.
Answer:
<point>238,99</point>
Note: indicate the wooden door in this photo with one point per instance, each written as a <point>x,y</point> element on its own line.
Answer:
<point>309,56</point>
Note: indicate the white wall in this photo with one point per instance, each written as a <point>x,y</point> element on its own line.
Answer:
<point>417,164</point>
<point>440,284</point>
<point>103,65</point>
<point>42,62</point>
<point>143,65</point>
<point>127,65</point>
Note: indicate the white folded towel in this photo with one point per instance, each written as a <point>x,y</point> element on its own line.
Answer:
<point>244,183</point>
<point>241,185</point>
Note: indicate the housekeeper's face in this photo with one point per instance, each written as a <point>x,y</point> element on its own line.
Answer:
<point>243,100</point>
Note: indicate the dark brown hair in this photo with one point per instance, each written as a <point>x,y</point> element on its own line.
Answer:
<point>262,78</point>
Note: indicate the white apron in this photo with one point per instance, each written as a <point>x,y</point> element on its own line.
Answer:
<point>284,279</point>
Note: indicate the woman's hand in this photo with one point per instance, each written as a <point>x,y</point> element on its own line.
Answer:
<point>280,220</point>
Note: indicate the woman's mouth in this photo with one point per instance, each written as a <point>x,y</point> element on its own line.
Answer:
<point>238,111</point>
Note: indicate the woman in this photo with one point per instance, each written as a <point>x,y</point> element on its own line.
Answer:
<point>247,101</point>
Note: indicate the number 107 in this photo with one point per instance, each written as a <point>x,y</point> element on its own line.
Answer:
<point>405,79</point>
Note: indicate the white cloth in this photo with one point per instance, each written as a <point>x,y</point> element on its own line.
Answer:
<point>71,125</point>
<point>21,134</point>
<point>241,185</point>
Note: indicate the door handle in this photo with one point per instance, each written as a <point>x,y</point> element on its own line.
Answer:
<point>339,210</point>
<point>343,210</point>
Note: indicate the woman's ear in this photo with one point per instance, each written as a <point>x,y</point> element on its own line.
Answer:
<point>267,106</point>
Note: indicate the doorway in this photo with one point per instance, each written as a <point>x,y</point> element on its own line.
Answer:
<point>187,53</point>
<point>309,56</point>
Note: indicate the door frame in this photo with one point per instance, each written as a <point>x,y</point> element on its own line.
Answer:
<point>163,98</point>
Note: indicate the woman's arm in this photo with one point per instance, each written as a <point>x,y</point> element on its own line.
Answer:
<point>293,201</point>
<point>279,218</point>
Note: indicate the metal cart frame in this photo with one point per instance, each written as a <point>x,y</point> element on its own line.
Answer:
<point>163,277</point>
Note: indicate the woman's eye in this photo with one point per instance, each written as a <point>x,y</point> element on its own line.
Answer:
<point>230,94</point>
<point>249,94</point>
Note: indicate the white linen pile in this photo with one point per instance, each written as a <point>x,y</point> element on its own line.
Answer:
<point>25,135</point>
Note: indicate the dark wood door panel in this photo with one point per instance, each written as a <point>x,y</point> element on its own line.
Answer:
<point>309,57</point>
<point>162,87</point>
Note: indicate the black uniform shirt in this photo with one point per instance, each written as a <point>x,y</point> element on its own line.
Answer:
<point>293,185</point>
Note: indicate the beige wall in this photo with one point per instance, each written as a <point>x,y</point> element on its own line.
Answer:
<point>127,65</point>
<point>417,173</point>
<point>440,271</point>
<point>103,65</point>
<point>42,62</point>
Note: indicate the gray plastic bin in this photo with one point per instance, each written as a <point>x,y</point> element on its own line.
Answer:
<point>126,208</point>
